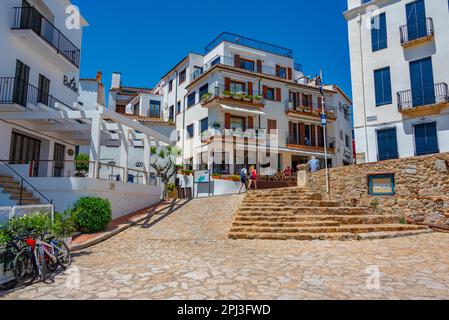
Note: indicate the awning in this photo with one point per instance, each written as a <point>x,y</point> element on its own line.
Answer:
<point>243,110</point>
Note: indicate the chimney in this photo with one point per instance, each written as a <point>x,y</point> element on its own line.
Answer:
<point>99,76</point>
<point>116,80</point>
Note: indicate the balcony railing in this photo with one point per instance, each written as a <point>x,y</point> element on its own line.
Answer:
<point>217,130</point>
<point>252,67</point>
<point>416,30</point>
<point>426,96</point>
<point>248,42</point>
<point>31,18</point>
<point>14,90</point>
<point>218,91</point>
<point>312,109</point>
<point>307,144</point>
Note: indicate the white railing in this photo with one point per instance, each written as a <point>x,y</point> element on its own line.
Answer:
<point>7,213</point>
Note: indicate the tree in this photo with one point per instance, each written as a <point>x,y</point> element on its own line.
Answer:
<point>82,164</point>
<point>163,161</point>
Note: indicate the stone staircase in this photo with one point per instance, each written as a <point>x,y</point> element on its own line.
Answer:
<point>294,214</point>
<point>10,186</point>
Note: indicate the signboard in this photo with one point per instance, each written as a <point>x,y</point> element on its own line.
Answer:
<point>201,176</point>
<point>381,184</point>
<point>323,120</point>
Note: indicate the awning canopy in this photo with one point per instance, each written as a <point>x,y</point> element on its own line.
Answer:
<point>242,110</point>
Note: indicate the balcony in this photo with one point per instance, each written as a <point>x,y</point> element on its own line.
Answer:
<point>216,132</point>
<point>29,18</point>
<point>417,32</point>
<point>426,101</point>
<point>19,95</point>
<point>245,65</point>
<point>218,93</point>
<point>313,111</point>
<point>297,144</point>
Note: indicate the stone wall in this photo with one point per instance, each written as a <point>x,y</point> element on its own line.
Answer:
<point>421,188</point>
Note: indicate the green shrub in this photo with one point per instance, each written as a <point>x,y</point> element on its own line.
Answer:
<point>171,187</point>
<point>82,163</point>
<point>4,236</point>
<point>92,214</point>
<point>64,223</point>
<point>38,222</point>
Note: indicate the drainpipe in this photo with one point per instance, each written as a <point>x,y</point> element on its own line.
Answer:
<point>363,89</point>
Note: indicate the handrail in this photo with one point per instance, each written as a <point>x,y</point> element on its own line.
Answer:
<point>426,29</point>
<point>24,180</point>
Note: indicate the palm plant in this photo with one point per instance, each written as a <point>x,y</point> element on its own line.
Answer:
<point>163,161</point>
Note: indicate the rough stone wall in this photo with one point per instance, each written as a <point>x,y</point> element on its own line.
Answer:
<point>421,185</point>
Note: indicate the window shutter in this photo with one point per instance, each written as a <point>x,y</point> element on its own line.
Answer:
<point>298,100</point>
<point>313,135</point>
<point>278,69</point>
<point>264,88</point>
<point>250,88</point>
<point>290,132</point>
<point>227,121</point>
<point>278,94</point>
<point>237,61</point>
<point>227,84</point>
<point>320,137</point>
<point>250,122</point>
<point>289,74</point>
<point>302,133</point>
<point>259,66</point>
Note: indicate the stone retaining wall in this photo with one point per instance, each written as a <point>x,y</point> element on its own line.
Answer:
<point>421,187</point>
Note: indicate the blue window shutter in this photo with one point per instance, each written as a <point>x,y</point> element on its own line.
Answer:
<point>421,78</point>
<point>426,139</point>
<point>387,144</point>
<point>416,20</point>
<point>379,35</point>
<point>382,83</point>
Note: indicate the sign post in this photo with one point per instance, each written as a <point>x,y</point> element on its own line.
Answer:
<point>201,177</point>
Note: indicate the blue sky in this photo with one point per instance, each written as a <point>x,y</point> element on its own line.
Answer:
<point>143,39</point>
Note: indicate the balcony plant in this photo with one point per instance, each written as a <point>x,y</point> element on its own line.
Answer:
<point>205,97</point>
<point>81,165</point>
<point>247,98</point>
<point>300,108</point>
<point>257,99</point>
<point>216,176</point>
<point>226,94</point>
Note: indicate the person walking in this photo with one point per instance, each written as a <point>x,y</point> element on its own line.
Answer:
<point>243,179</point>
<point>314,164</point>
<point>253,178</point>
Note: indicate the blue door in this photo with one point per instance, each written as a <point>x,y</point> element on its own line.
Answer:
<point>387,144</point>
<point>426,139</point>
<point>416,20</point>
<point>423,86</point>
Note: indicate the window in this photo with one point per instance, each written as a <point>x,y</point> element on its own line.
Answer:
<point>341,135</point>
<point>382,83</point>
<point>170,86</point>
<point>237,123</point>
<point>347,141</point>
<point>44,90</point>
<point>203,90</point>
<point>422,81</point>
<point>387,145</point>
<point>269,94</point>
<point>178,107</point>
<point>426,139</point>
<point>282,72</point>
<point>191,99</point>
<point>271,125</point>
<point>416,20</point>
<point>216,61</point>
<point>379,32</point>
<point>237,87</point>
<point>190,131</point>
<point>155,109</point>
<point>247,64</point>
<point>171,113</point>
<point>182,76</point>
<point>381,184</point>
<point>204,124</point>
<point>25,149</point>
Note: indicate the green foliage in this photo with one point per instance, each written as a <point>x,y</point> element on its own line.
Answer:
<point>38,222</point>
<point>4,236</point>
<point>92,214</point>
<point>82,162</point>
<point>187,172</point>
<point>64,223</point>
<point>171,187</point>
<point>374,204</point>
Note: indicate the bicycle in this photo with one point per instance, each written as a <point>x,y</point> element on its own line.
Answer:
<point>9,252</point>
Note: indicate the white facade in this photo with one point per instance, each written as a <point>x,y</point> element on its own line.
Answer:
<point>273,68</point>
<point>404,112</point>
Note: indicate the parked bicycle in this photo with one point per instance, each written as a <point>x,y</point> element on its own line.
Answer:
<point>7,257</point>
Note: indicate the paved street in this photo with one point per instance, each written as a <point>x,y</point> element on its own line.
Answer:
<point>184,254</point>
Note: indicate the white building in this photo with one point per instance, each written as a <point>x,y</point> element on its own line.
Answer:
<point>400,70</point>
<point>43,119</point>
<point>241,84</point>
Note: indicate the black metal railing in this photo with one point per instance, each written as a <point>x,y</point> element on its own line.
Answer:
<point>416,30</point>
<point>31,18</point>
<point>425,96</point>
<point>24,184</point>
<point>248,42</point>
<point>16,90</point>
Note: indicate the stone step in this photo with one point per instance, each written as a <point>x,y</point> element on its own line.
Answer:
<point>286,198</point>
<point>363,228</point>
<point>297,203</point>
<point>16,196</point>
<point>286,224</point>
<point>276,211</point>
<point>292,236</point>
<point>327,236</point>
<point>9,183</point>
<point>341,219</point>
<point>29,202</point>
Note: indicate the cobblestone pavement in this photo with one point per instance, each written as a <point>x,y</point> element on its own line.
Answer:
<point>185,255</point>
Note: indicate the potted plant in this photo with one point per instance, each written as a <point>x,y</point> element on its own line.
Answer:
<point>205,97</point>
<point>247,98</point>
<point>216,176</point>
<point>172,191</point>
<point>257,99</point>
<point>81,165</point>
<point>227,94</point>
<point>179,168</point>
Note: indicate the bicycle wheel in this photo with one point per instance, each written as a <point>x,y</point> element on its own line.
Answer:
<point>25,269</point>
<point>42,264</point>
<point>63,254</point>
